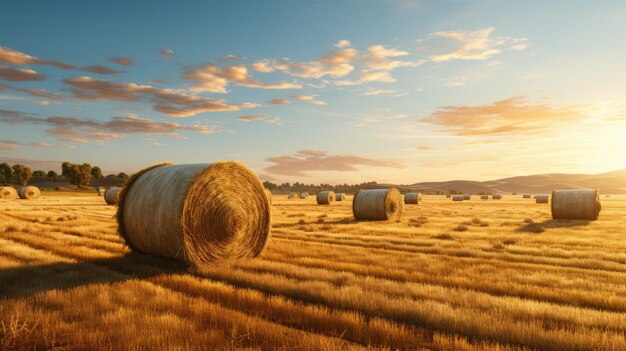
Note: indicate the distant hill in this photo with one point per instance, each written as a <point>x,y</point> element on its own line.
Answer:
<point>611,183</point>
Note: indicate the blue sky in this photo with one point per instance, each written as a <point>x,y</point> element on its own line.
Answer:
<point>331,91</point>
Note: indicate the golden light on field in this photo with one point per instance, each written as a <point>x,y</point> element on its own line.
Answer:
<point>472,275</point>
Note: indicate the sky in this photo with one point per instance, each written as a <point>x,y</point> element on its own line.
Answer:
<point>392,91</point>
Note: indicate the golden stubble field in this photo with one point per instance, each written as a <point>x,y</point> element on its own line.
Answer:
<point>470,275</point>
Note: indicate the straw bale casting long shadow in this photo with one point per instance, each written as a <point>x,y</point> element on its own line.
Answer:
<point>29,280</point>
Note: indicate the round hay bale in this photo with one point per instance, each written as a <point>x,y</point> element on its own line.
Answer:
<point>291,196</point>
<point>268,193</point>
<point>304,195</point>
<point>497,196</point>
<point>412,198</point>
<point>576,204</point>
<point>196,213</point>
<point>526,196</point>
<point>325,198</point>
<point>112,196</point>
<point>484,197</point>
<point>101,191</point>
<point>29,192</point>
<point>340,197</point>
<point>458,198</point>
<point>377,204</point>
<point>8,192</point>
<point>448,196</point>
<point>542,199</point>
<point>467,196</point>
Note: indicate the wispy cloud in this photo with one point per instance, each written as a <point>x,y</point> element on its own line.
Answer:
<point>305,161</point>
<point>32,92</point>
<point>40,145</point>
<point>9,145</point>
<point>173,103</point>
<point>469,45</point>
<point>99,69</point>
<point>515,115</point>
<point>73,129</point>
<point>215,79</point>
<point>15,57</point>
<point>19,75</point>
<point>123,61</point>
<point>261,118</point>
<point>277,101</point>
<point>166,53</point>
<point>310,99</point>
<point>378,92</point>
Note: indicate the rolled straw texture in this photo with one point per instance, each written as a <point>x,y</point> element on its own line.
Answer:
<point>542,199</point>
<point>325,197</point>
<point>412,198</point>
<point>112,196</point>
<point>497,196</point>
<point>29,192</point>
<point>196,213</point>
<point>340,197</point>
<point>8,192</point>
<point>576,204</point>
<point>377,204</point>
<point>458,198</point>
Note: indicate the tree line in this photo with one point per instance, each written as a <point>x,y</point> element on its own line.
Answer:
<point>74,173</point>
<point>298,187</point>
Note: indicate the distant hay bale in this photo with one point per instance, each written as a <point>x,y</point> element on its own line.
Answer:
<point>377,204</point>
<point>458,198</point>
<point>196,213</point>
<point>304,195</point>
<point>448,196</point>
<point>292,195</point>
<point>101,191</point>
<point>497,196</point>
<point>412,198</point>
<point>112,196</point>
<point>484,197</point>
<point>340,197</point>
<point>325,198</point>
<point>542,199</point>
<point>576,204</point>
<point>467,196</point>
<point>29,192</point>
<point>8,192</point>
<point>526,196</point>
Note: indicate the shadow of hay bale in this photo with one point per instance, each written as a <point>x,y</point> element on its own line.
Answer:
<point>540,227</point>
<point>30,280</point>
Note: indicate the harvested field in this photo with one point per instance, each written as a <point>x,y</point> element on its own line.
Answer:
<point>324,282</point>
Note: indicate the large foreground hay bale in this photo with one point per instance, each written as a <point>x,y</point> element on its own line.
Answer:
<point>497,196</point>
<point>268,193</point>
<point>8,192</point>
<point>526,196</point>
<point>195,213</point>
<point>29,192</point>
<point>576,204</point>
<point>467,196</point>
<point>340,197</point>
<point>325,197</point>
<point>542,199</point>
<point>112,196</point>
<point>377,204</point>
<point>412,198</point>
<point>484,197</point>
<point>458,198</point>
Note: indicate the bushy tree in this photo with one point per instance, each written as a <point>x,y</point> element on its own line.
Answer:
<point>96,172</point>
<point>5,173</point>
<point>39,173</point>
<point>77,174</point>
<point>22,173</point>
<point>123,175</point>
<point>52,175</point>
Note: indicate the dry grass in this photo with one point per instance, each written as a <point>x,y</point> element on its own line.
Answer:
<point>326,284</point>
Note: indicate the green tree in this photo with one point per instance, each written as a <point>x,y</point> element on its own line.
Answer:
<point>123,175</point>
<point>52,175</point>
<point>77,174</point>
<point>65,169</point>
<point>39,173</point>
<point>22,173</point>
<point>96,172</point>
<point>5,173</point>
